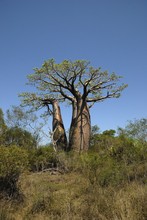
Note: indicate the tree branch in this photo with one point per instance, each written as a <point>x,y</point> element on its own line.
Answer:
<point>65,95</point>
<point>109,95</point>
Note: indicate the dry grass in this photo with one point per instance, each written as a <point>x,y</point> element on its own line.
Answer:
<point>72,197</point>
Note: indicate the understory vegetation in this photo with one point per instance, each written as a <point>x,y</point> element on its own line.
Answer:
<point>109,181</point>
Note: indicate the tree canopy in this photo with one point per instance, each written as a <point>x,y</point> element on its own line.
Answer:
<point>70,80</point>
<point>78,83</point>
<point>136,129</point>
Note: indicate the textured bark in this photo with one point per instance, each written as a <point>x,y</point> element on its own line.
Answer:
<point>72,130</point>
<point>59,134</point>
<point>80,129</point>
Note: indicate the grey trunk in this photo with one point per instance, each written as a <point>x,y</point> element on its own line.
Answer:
<point>80,128</point>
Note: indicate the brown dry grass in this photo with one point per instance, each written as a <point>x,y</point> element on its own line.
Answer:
<point>72,197</point>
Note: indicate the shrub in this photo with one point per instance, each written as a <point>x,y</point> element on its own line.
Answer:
<point>13,161</point>
<point>42,158</point>
<point>102,170</point>
<point>19,137</point>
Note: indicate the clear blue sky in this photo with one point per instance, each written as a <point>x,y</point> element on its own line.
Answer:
<point>109,33</point>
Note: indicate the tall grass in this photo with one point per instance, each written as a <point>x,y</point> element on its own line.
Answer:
<point>93,186</point>
<point>73,196</point>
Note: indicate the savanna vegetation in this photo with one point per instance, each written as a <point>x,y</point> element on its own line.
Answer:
<point>109,181</point>
<point>100,176</point>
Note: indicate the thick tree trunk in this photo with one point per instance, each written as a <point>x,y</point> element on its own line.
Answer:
<point>59,134</point>
<point>72,130</point>
<point>80,129</point>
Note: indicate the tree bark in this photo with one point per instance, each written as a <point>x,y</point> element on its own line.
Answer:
<point>59,134</point>
<point>80,129</point>
<point>72,130</point>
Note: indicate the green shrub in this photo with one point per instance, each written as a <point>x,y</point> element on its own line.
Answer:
<point>42,158</point>
<point>19,137</point>
<point>101,170</point>
<point>13,161</point>
<point>109,170</point>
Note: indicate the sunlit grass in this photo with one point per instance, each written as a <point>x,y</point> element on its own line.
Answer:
<point>72,196</point>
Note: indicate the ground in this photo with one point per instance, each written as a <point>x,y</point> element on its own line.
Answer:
<point>71,196</point>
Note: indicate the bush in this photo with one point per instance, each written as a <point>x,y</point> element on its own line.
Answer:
<point>13,161</point>
<point>19,137</point>
<point>115,168</point>
<point>42,158</point>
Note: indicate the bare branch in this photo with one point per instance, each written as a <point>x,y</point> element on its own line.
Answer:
<point>65,95</point>
<point>72,80</point>
<point>114,94</point>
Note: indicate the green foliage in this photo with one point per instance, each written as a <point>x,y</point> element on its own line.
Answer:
<point>19,137</point>
<point>95,130</point>
<point>76,82</point>
<point>13,161</point>
<point>16,135</point>
<point>101,142</point>
<point>42,158</point>
<point>67,79</point>
<point>19,117</point>
<point>110,132</point>
<point>136,129</point>
<point>115,160</point>
<point>2,121</point>
<point>127,150</point>
<point>108,182</point>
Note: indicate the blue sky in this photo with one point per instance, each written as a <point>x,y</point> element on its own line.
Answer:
<point>109,33</point>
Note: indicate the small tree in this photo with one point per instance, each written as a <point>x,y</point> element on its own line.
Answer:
<point>18,117</point>
<point>136,129</point>
<point>78,83</point>
<point>13,161</point>
<point>20,138</point>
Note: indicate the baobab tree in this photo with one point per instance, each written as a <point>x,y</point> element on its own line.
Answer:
<point>78,83</point>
